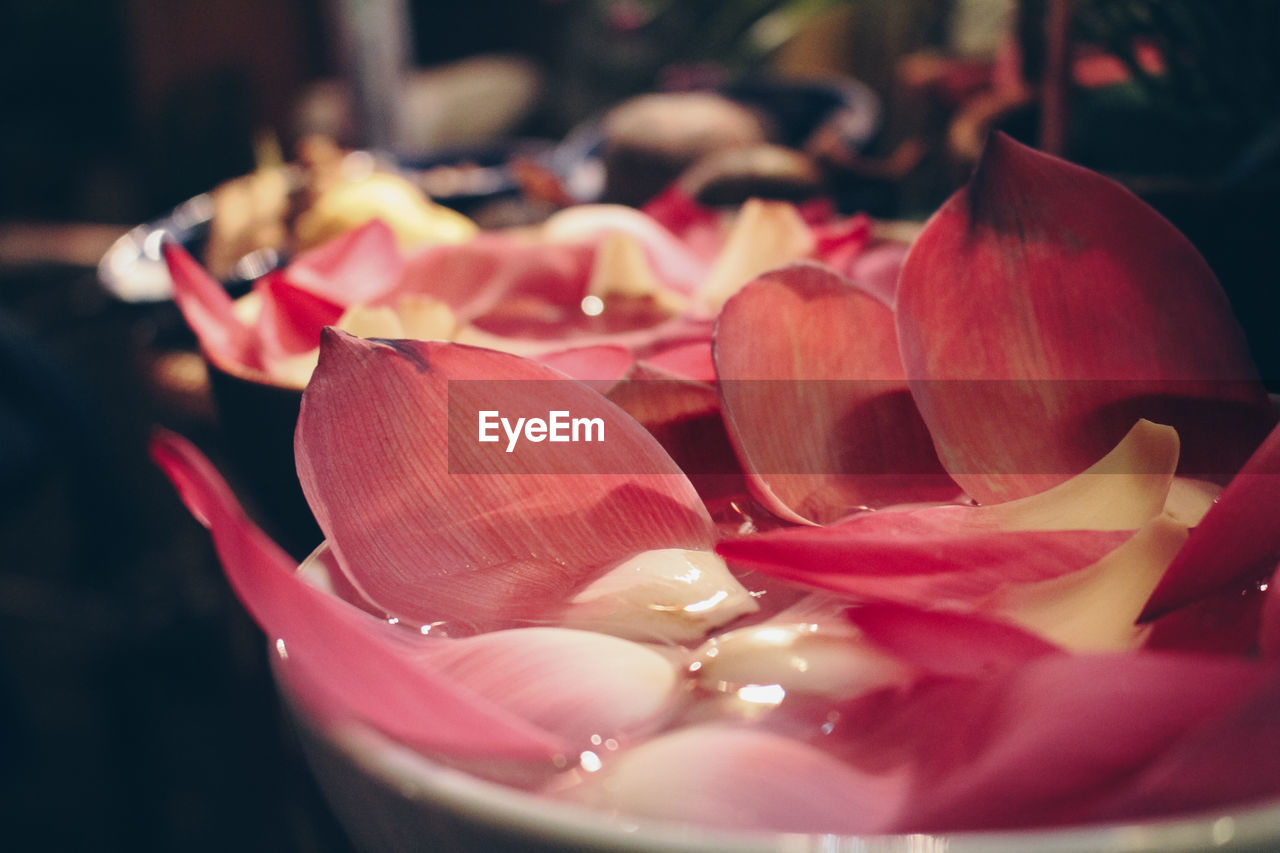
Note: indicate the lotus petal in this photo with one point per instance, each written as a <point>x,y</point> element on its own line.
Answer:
<point>1269,630</point>
<point>948,643</point>
<point>765,235</point>
<point>663,596</point>
<point>1233,759</point>
<point>691,360</point>
<point>919,557</point>
<point>1096,609</point>
<point>1238,541</point>
<point>573,683</point>
<point>675,264</point>
<point>697,225</point>
<point>210,313</point>
<point>797,657</point>
<point>684,416</point>
<point>876,270</point>
<point>599,366</point>
<point>839,242</point>
<point>474,277</point>
<point>1044,309</point>
<point>342,661</point>
<point>356,268</point>
<point>1069,728</point>
<point>1121,491</point>
<point>801,353</point>
<point>741,779</point>
<point>1044,742</point>
<point>289,319</point>
<point>432,524</point>
<point>1224,623</point>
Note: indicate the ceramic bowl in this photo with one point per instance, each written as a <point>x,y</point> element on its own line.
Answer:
<point>391,799</point>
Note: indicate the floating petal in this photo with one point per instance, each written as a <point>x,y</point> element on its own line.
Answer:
<point>802,354</point>
<point>573,683</point>
<point>740,779</point>
<point>431,523</point>
<point>948,643</point>
<point>1238,541</point>
<point>662,596</point>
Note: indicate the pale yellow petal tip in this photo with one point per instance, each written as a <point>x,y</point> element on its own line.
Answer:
<point>667,595</point>
<point>766,235</point>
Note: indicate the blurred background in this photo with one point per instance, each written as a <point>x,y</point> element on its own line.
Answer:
<point>136,712</point>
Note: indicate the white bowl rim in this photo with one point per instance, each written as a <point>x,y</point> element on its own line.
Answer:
<point>536,816</point>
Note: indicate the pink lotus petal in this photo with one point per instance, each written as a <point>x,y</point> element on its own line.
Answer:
<point>474,277</point>
<point>876,270</point>
<point>691,360</point>
<point>290,320</point>
<point>684,416</point>
<point>674,263</point>
<point>599,366</point>
<point>1044,743</point>
<point>1066,729</point>
<point>1236,544</point>
<point>574,684</point>
<point>801,353</point>
<point>432,524</point>
<point>1269,630</point>
<point>356,268</point>
<point>839,243</point>
<point>1044,309</point>
<point>742,779</point>
<point>697,225</point>
<point>918,557</point>
<point>343,662</point>
<point>209,312</point>
<point>948,643</point>
<point>1224,623</point>
<point>1232,760</point>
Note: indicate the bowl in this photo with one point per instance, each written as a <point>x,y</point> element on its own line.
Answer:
<point>390,798</point>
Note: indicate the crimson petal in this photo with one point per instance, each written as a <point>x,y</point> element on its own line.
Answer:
<point>1045,743</point>
<point>1232,760</point>
<point>341,660</point>
<point>918,557</point>
<point>1065,729</point>
<point>803,354</point>
<point>1237,542</point>
<point>432,524</point>
<point>290,319</point>
<point>1044,309</point>
<point>948,643</point>
<point>209,311</point>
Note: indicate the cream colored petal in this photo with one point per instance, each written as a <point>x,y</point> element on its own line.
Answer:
<point>803,657</point>
<point>380,321</point>
<point>668,595</point>
<point>766,235</point>
<point>1095,609</point>
<point>1122,491</point>
<point>426,319</point>
<point>1190,499</point>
